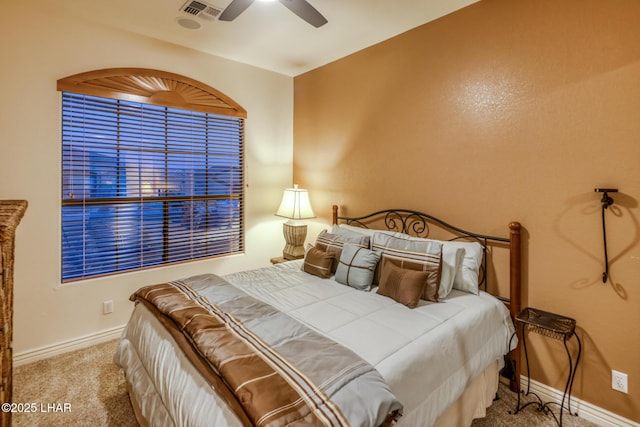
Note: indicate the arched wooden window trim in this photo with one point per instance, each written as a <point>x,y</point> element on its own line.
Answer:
<point>152,87</point>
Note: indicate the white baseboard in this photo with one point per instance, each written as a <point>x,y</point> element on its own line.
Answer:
<point>585,410</point>
<point>30,356</point>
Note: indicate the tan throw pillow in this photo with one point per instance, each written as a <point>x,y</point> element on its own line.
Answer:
<point>402,284</point>
<point>317,262</point>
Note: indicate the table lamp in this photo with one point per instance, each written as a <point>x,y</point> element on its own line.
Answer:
<point>295,206</point>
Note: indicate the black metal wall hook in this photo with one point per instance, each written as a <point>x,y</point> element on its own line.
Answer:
<point>606,202</point>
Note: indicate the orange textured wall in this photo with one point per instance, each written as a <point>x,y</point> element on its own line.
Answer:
<point>505,110</point>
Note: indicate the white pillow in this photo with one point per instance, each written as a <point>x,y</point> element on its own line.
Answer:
<point>351,230</point>
<point>452,259</point>
<point>348,230</point>
<point>466,279</point>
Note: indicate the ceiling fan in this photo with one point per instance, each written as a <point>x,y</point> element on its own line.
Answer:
<point>300,7</point>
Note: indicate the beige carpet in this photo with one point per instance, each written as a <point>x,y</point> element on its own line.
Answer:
<point>500,414</point>
<point>87,379</point>
<point>90,383</point>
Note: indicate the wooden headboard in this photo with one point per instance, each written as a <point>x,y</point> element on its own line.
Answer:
<point>418,224</point>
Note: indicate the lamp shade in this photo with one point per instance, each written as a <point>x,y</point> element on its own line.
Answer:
<point>295,204</point>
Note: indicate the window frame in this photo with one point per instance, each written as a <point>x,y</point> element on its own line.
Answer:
<point>171,92</point>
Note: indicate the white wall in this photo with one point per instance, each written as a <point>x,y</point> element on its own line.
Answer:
<point>43,46</point>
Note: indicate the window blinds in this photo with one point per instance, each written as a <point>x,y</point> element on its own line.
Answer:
<point>145,185</point>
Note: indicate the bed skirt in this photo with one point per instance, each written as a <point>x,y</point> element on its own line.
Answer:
<point>475,400</point>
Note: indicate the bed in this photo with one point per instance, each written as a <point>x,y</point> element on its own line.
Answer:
<point>406,359</point>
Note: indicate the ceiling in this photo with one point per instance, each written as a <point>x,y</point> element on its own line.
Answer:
<point>267,34</point>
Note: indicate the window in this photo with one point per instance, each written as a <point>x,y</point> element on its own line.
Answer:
<point>145,185</point>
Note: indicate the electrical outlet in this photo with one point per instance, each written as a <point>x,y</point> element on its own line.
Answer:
<point>107,307</point>
<point>619,381</point>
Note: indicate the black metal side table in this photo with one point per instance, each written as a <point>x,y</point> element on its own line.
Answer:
<point>556,327</point>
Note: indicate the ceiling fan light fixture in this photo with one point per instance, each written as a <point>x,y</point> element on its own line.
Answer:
<point>302,8</point>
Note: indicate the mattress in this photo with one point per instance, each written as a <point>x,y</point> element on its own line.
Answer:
<point>428,355</point>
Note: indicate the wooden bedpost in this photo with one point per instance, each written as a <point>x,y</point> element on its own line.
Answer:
<point>515,294</point>
<point>334,218</point>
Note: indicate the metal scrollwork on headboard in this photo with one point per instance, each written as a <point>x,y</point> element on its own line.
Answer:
<point>410,223</point>
<point>399,220</point>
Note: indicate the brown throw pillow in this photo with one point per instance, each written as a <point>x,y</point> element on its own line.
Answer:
<point>319,263</point>
<point>402,284</point>
<point>431,284</point>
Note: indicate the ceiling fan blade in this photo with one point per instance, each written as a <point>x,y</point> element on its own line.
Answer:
<point>305,11</point>
<point>235,8</point>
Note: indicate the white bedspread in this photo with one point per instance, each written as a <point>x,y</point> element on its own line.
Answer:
<point>427,355</point>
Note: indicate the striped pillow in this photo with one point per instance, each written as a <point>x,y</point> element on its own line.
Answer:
<point>333,244</point>
<point>404,252</point>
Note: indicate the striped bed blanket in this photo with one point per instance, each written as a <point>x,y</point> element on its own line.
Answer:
<point>271,369</point>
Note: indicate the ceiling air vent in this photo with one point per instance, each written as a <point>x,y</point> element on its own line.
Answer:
<point>200,9</point>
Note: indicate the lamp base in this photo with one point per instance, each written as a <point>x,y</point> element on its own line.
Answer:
<point>294,235</point>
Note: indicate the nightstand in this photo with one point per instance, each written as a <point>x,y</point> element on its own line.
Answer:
<point>557,327</point>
